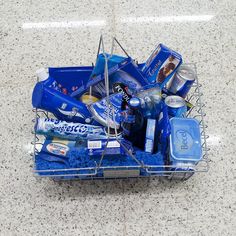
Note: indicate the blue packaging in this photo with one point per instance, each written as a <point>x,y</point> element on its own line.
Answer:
<point>182,81</point>
<point>150,135</point>
<point>58,147</point>
<point>176,106</point>
<point>62,156</point>
<point>114,64</point>
<point>62,106</point>
<point>185,141</point>
<point>161,65</point>
<point>111,147</point>
<point>50,161</point>
<point>69,79</point>
<point>112,61</point>
<point>126,80</point>
<point>103,113</point>
<point>53,93</point>
<point>163,132</point>
<point>72,131</point>
<point>132,76</point>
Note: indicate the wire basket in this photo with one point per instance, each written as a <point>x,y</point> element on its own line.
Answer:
<point>138,168</point>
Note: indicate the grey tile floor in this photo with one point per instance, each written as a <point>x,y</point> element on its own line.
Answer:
<point>202,31</point>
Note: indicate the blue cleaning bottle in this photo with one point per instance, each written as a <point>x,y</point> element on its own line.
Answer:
<point>62,106</point>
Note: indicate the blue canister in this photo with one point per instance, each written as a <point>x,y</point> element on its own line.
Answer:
<point>185,143</point>
<point>182,81</point>
<point>176,106</point>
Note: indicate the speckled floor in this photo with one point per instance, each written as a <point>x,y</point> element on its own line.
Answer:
<point>202,31</point>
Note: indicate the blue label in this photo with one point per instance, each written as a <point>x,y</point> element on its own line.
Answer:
<point>108,115</point>
<point>161,65</point>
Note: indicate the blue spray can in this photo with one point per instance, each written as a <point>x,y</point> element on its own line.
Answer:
<point>176,106</point>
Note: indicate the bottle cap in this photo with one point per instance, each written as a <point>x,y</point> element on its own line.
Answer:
<point>42,74</point>
<point>134,102</point>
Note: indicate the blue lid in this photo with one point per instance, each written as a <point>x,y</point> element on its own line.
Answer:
<point>185,139</point>
<point>37,95</point>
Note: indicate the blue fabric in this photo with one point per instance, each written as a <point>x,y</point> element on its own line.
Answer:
<point>79,159</point>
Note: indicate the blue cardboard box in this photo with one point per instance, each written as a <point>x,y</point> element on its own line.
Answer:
<point>125,73</point>
<point>161,65</point>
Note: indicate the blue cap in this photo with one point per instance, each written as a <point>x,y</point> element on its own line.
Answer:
<point>37,95</point>
<point>134,102</point>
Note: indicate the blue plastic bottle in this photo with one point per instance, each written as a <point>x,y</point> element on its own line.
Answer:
<point>150,98</point>
<point>62,106</point>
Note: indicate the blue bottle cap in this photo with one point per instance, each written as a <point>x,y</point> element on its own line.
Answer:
<point>134,102</point>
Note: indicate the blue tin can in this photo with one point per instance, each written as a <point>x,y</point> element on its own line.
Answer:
<point>182,81</point>
<point>176,106</point>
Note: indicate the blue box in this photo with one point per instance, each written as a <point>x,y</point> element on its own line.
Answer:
<point>161,65</point>
<point>114,63</point>
<point>125,72</point>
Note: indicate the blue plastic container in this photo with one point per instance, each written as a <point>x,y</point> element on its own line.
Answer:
<point>185,142</point>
